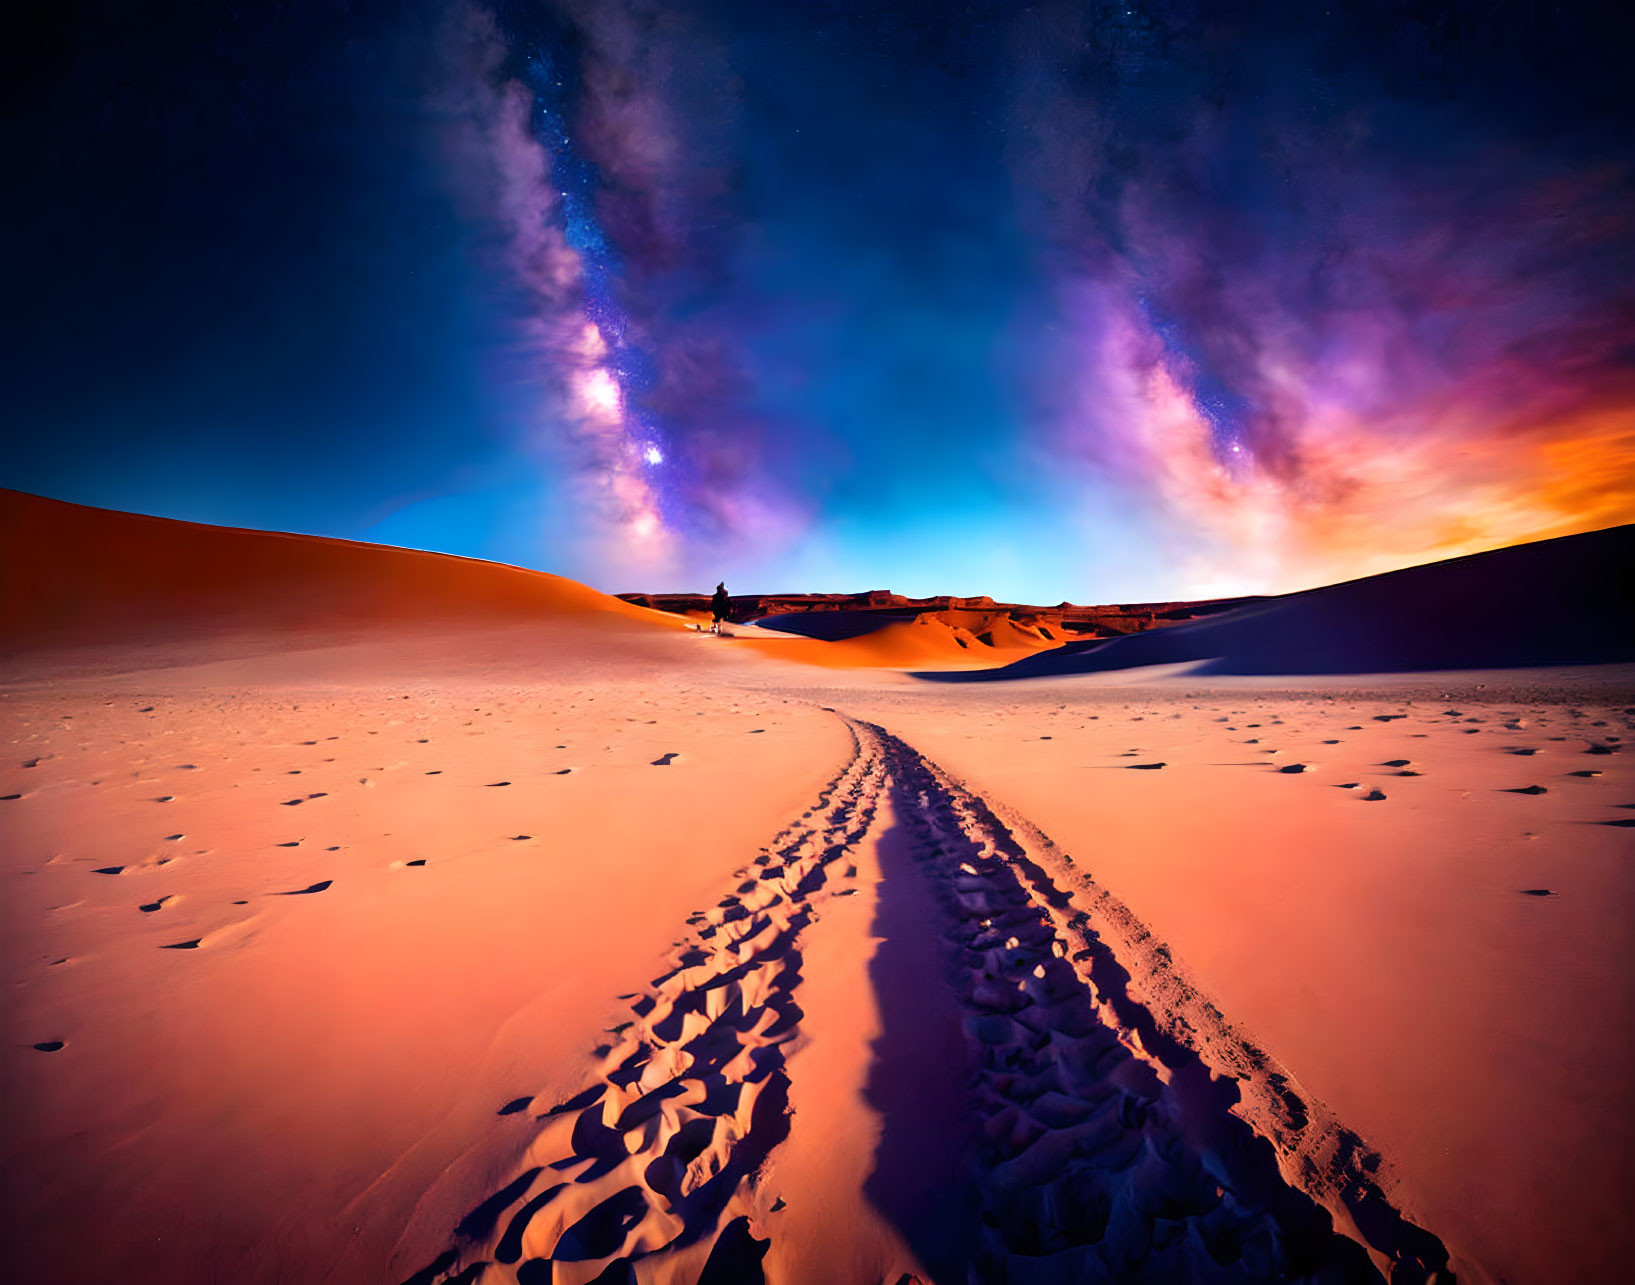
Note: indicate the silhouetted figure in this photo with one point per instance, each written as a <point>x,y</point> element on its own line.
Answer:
<point>719,605</point>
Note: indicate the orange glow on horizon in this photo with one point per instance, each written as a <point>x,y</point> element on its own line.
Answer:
<point>1347,497</point>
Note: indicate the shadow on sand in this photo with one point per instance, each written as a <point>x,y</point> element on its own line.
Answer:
<point>920,1077</point>
<point>1023,1138</point>
<point>1567,601</point>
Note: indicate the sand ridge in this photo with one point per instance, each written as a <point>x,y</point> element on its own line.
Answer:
<point>96,578</point>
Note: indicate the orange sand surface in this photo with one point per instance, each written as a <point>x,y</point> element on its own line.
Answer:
<point>410,901</point>
<point>553,941</point>
<point>923,643</point>
<point>1343,869</point>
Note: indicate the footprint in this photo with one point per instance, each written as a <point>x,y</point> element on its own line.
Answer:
<point>302,892</point>
<point>664,760</point>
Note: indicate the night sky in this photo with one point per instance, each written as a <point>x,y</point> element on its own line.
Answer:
<point>1062,300</point>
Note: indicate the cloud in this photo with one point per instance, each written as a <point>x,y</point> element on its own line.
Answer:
<point>1311,299</point>
<point>1321,331</point>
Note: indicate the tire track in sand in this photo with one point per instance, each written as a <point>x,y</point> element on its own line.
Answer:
<point>1105,1150</point>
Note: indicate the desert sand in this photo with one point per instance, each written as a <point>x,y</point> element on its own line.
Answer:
<point>374,916</point>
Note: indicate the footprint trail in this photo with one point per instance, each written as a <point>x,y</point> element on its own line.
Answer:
<point>1104,1149</point>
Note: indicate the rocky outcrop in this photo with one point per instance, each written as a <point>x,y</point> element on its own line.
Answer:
<point>1106,621</point>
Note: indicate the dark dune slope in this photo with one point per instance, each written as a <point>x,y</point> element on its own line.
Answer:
<point>1568,601</point>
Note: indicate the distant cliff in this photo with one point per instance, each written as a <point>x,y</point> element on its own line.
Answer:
<point>1105,621</point>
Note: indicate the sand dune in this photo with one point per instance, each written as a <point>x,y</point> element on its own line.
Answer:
<point>94,576</point>
<point>1569,601</point>
<point>435,921</point>
<point>947,640</point>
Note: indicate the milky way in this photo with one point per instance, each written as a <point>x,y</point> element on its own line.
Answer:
<point>578,345</point>
<point>1298,302</point>
<point>1059,300</point>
